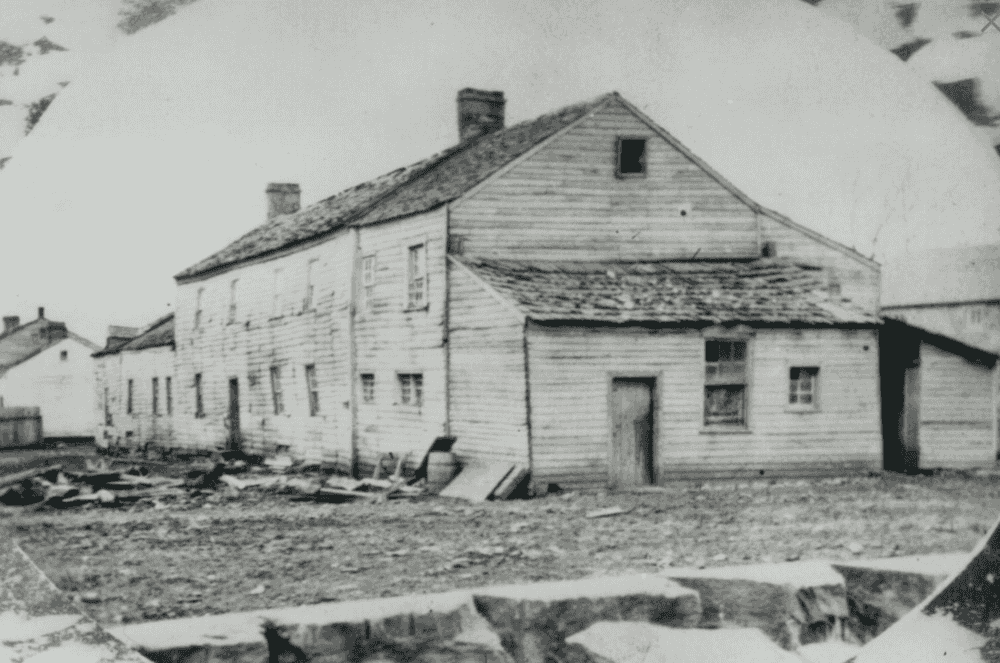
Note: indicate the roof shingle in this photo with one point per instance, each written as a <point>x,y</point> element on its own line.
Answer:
<point>765,291</point>
<point>416,188</point>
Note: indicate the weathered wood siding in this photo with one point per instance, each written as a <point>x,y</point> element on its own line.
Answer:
<point>286,334</point>
<point>141,427</point>
<point>565,202</point>
<point>858,280</point>
<point>570,371</point>
<point>487,399</point>
<point>391,339</point>
<point>956,411</point>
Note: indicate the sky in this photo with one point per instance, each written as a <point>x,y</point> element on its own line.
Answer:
<point>158,153</point>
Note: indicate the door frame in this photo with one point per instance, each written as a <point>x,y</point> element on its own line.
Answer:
<point>652,377</point>
<point>234,440</point>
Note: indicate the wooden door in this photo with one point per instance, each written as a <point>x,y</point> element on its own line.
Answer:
<point>631,432</point>
<point>909,420</point>
<point>235,439</point>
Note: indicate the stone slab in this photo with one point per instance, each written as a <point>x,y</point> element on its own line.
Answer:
<point>38,623</point>
<point>533,621</point>
<point>476,481</point>
<point>959,621</point>
<point>881,591</point>
<point>632,642</point>
<point>793,603</point>
<point>483,625</point>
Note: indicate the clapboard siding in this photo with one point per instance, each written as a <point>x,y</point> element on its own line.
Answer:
<point>391,340</point>
<point>564,201</point>
<point>142,427</point>
<point>858,280</point>
<point>268,332</point>
<point>487,400</point>
<point>956,410</point>
<point>571,369</point>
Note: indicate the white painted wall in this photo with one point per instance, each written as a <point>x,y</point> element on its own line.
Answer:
<point>63,388</point>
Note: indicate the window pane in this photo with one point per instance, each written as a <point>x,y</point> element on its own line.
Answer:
<point>739,351</point>
<point>793,373</point>
<point>806,398</point>
<point>712,351</point>
<point>725,351</point>
<point>724,405</point>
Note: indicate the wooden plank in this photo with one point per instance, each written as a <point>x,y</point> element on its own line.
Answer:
<point>507,487</point>
<point>477,481</point>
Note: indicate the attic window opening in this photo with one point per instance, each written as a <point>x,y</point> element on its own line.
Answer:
<point>631,157</point>
<point>63,355</point>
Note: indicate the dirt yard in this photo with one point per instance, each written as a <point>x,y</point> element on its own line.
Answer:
<point>229,551</point>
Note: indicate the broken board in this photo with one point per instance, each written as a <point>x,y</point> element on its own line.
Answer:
<point>511,483</point>
<point>477,481</point>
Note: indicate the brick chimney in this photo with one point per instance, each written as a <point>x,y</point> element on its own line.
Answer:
<point>282,198</point>
<point>41,312</point>
<point>480,112</point>
<point>10,323</point>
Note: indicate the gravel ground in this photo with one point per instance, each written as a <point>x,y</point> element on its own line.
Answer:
<point>240,551</point>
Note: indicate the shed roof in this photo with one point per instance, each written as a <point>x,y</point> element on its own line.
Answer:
<point>956,275</point>
<point>768,291</point>
<point>158,334</point>
<point>21,344</point>
<point>410,190</point>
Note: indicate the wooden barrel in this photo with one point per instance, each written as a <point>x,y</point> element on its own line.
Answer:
<point>440,469</point>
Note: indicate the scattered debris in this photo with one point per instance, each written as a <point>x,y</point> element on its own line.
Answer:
<point>604,513</point>
<point>476,482</point>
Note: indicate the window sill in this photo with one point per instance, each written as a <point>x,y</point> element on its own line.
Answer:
<point>801,410</point>
<point>630,176</point>
<point>722,429</point>
<point>411,309</point>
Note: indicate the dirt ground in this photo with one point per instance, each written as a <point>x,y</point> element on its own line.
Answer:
<point>230,551</point>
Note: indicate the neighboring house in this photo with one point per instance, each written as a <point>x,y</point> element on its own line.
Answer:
<point>578,293</point>
<point>44,364</point>
<point>939,400</point>
<point>953,292</point>
<point>135,387</point>
<point>940,375</point>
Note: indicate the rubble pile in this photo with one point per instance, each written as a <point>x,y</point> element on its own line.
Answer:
<point>98,485</point>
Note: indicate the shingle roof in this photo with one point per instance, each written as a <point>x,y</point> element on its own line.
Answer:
<point>23,343</point>
<point>963,274</point>
<point>158,334</point>
<point>765,291</point>
<point>416,188</point>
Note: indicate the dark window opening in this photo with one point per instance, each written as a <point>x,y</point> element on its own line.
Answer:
<point>108,421</point>
<point>199,402</point>
<point>368,387</point>
<point>63,355</point>
<point>277,396</point>
<point>156,396</point>
<point>128,402</point>
<point>170,397</point>
<point>631,157</point>
<point>313,390</point>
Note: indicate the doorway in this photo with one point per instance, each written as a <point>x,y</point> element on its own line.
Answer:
<point>235,439</point>
<point>632,431</point>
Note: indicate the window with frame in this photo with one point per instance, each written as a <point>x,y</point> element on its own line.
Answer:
<point>803,383</point>
<point>725,382</point>
<point>313,390</point>
<point>368,387</point>
<point>232,299</point>
<point>156,396</point>
<point>277,397</point>
<point>416,279</point>
<point>631,157</point>
<point>309,299</point>
<point>128,399</point>
<point>199,401</point>
<point>368,280</point>
<point>411,388</point>
<point>197,307</point>
<point>170,397</point>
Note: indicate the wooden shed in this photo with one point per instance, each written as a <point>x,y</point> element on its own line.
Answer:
<point>939,401</point>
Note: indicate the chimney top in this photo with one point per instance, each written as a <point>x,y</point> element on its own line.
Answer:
<point>10,323</point>
<point>41,312</point>
<point>282,198</point>
<point>480,112</point>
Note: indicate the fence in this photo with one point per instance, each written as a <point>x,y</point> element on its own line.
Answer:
<point>20,427</point>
